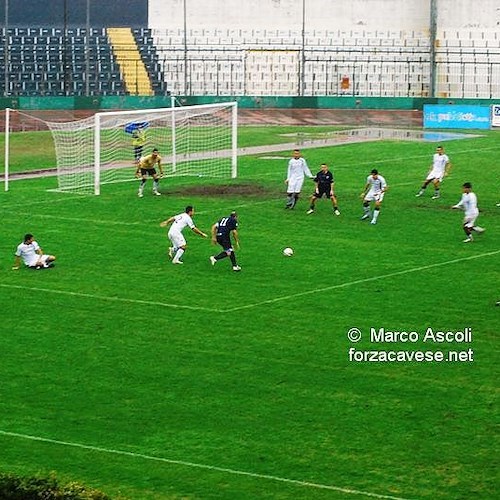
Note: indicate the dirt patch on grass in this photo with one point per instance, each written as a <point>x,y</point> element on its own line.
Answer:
<point>241,189</point>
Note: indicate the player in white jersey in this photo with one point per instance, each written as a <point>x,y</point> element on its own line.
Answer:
<point>374,190</point>
<point>297,170</point>
<point>179,223</point>
<point>32,255</point>
<point>468,204</point>
<point>439,169</point>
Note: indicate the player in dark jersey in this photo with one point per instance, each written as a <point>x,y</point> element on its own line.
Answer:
<point>324,187</point>
<point>221,234</point>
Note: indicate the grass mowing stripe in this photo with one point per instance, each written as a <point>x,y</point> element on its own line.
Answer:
<point>357,282</point>
<point>255,304</point>
<point>115,299</point>
<point>256,475</point>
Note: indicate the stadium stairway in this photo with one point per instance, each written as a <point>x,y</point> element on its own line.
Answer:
<point>128,57</point>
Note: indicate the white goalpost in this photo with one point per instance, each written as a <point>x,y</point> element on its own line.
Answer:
<point>192,140</point>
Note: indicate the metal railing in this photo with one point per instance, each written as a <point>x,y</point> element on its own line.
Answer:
<point>72,68</point>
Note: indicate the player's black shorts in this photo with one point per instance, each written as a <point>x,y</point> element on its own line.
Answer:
<point>224,241</point>
<point>148,171</point>
<point>323,191</point>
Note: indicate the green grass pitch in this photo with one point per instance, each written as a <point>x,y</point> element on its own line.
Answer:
<point>154,381</point>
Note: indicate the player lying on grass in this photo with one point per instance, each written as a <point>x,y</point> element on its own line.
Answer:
<point>32,255</point>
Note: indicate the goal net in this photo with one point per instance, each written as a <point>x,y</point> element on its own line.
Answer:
<point>102,149</point>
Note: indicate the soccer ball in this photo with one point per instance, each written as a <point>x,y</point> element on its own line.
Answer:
<point>288,252</point>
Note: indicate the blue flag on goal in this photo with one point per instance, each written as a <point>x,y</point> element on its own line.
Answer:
<point>130,127</point>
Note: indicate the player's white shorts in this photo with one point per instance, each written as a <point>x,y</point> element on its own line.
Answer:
<point>435,174</point>
<point>37,258</point>
<point>373,196</point>
<point>470,220</point>
<point>177,238</point>
<point>295,185</point>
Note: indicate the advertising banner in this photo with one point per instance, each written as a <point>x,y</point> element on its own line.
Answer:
<point>451,116</point>
<point>495,115</point>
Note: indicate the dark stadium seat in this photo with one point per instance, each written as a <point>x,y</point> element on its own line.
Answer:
<point>50,61</point>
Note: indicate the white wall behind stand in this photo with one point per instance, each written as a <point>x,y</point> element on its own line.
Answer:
<point>288,14</point>
<point>482,14</point>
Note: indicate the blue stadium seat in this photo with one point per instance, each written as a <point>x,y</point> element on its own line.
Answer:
<point>15,58</point>
<point>50,61</point>
<point>55,58</point>
<point>15,49</point>
<point>29,67</point>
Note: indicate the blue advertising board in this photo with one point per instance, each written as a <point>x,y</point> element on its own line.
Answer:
<point>451,116</point>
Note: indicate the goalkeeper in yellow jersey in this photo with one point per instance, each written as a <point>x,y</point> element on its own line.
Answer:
<point>145,168</point>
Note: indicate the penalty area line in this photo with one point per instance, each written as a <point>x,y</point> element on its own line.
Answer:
<point>184,463</point>
<point>111,299</point>
<point>358,282</point>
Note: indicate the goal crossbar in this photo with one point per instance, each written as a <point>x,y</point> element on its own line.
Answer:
<point>104,148</point>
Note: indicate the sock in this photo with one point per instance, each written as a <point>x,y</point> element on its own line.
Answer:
<point>436,192</point>
<point>222,255</point>
<point>366,209</point>
<point>375,214</point>
<point>155,185</point>
<point>233,258</point>
<point>178,254</point>
<point>289,200</point>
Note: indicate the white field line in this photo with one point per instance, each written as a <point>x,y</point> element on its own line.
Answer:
<point>269,174</point>
<point>357,282</point>
<point>305,484</point>
<point>198,212</point>
<point>110,298</point>
<point>78,219</point>
<point>254,304</point>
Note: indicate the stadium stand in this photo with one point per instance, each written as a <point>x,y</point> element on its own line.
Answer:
<point>145,61</point>
<point>48,61</point>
